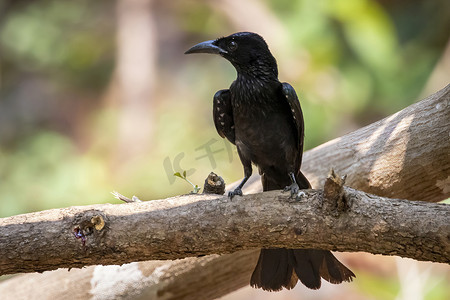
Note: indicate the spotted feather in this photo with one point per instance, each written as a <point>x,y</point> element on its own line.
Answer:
<point>223,115</point>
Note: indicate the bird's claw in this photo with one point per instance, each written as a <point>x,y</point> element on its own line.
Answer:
<point>293,188</point>
<point>237,192</point>
<point>296,193</point>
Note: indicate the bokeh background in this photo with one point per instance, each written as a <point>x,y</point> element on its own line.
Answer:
<point>97,96</point>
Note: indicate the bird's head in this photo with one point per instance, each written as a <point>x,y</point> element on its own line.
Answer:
<point>247,51</point>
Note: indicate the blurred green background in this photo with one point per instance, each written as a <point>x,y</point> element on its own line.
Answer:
<point>97,96</point>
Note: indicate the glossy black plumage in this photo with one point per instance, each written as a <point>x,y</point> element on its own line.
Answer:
<point>223,115</point>
<point>263,118</point>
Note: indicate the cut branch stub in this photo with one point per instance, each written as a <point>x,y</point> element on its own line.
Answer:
<point>214,184</point>
<point>333,193</point>
<point>89,223</point>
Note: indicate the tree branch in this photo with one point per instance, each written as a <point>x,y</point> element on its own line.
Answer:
<point>196,225</point>
<point>405,155</point>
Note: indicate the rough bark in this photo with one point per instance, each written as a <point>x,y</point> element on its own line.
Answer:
<point>394,160</point>
<point>233,271</point>
<point>196,225</point>
<point>189,278</point>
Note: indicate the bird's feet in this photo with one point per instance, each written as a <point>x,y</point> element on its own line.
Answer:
<point>237,191</point>
<point>296,193</point>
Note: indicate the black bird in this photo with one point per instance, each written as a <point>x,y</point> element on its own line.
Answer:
<point>263,118</point>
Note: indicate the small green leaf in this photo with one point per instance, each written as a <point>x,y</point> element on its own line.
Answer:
<point>196,188</point>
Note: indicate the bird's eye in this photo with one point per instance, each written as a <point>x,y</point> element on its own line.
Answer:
<point>232,46</point>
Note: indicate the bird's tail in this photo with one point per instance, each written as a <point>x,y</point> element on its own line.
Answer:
<point>278,268</point>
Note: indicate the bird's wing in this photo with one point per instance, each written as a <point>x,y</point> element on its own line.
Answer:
<point>223,115</point>
<point>292,99</point>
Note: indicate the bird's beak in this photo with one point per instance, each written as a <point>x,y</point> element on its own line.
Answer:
<point>206,47</point>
